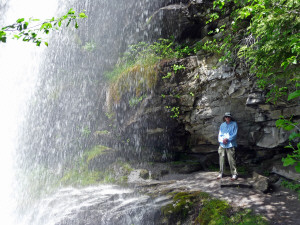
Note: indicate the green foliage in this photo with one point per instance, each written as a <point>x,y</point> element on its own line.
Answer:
<point>94,152</point>
<point>144,54</point>
<point>137,69</point>
<point>273,47</point>
<point>135,101</point>
<point>169,74</point>
<point>81,175</point>
<point>31,30</point>
<point>176,68</point>
<point>174,110</point>
<point>101,132</point>
<point>86,131</point>
<point>294,158</point>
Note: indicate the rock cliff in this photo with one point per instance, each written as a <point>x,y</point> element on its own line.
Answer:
<point>182,112</point>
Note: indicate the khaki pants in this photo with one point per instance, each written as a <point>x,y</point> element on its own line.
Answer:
<point>231,159</point>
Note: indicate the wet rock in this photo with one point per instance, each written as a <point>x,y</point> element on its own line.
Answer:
<point>144,174</point>
<point>103,159</point>
<point>174,17</point>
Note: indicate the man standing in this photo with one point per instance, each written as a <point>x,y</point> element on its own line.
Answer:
<point>227,139</point>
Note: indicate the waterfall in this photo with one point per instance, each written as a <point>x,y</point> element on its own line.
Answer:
<point>18,75</point>
<point>52,104</point>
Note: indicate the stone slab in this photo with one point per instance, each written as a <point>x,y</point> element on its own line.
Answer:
<point>239,183</point>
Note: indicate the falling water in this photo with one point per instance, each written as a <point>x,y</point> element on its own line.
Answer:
<point>18,75</point>
<point>52,101</point>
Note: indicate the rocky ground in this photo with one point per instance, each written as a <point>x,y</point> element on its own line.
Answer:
<point>278,205</point>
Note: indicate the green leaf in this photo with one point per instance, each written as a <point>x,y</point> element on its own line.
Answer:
<point>46,43</point>
<point>3,39</point>
<point>69,22</point>
<point>289,146</point>
<point>294,135</point>
<point>281,122</point>
<point>288,161</point>
<point>82,15</point>
<point>76,25</point>
<point>20,28</point>
<point>25,25</point>
<point>71,11</point>
<point>293,95</point>
<point>289,127</point>
<point>20,20</point>
<point>2,33</point>
<point>297,167</point>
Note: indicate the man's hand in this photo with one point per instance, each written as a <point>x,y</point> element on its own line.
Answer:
<point>225,141</point>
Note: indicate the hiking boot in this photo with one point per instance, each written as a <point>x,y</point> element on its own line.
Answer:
<point>219,176</point>
<point>234,177</point>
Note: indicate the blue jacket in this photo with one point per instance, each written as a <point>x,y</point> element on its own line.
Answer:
<point>228,131</point>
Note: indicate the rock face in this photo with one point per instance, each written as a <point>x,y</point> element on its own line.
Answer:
<point>183,113</point>
<point>203,92</point>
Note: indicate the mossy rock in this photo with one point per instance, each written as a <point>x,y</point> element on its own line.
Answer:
<point>219,212</point>
<point>213,212</point>
<point>95,152</point>
<point>99,158</point>
<point>201,208</point>
<point>183,204</point>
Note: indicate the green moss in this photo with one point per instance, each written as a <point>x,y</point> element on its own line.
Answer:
<point>80,177</point>
<point>201,208</point>
<point>182,205</point>
<point>214,211</point>
<point>101,132</point>
<point>247,217</point>
<point>94,152</point>
<point>218,212</point>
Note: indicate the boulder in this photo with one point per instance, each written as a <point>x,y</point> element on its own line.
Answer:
<point>260,182</point>
<point>285,171</point>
